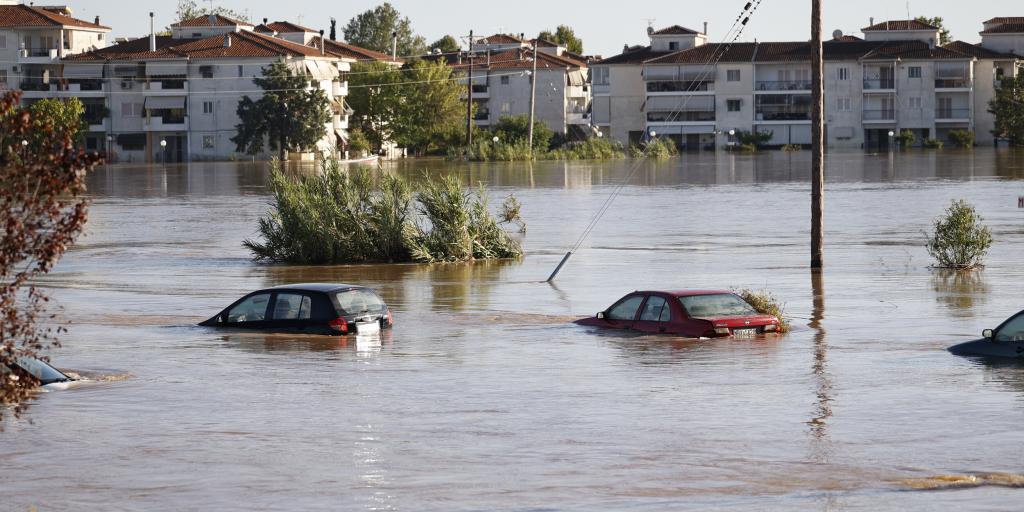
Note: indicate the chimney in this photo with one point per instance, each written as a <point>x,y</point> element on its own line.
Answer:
<point>97,20</point>
<point>152,34</point>
<point>265,20</point>
<point>650,30</point>
<point>705,28</point>
<point>323,44</point>
<point>871,21</point>
<point>227,40</point>
<point>334,29</point>
<point>394,46</point>
<point>212,19</point>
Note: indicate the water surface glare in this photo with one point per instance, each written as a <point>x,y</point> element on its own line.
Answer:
<point>484,397</point>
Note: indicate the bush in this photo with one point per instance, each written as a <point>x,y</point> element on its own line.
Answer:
<point>516,129</point>
<point>358,144</point>
<point>906,138</point>
<point>959,241</point>
<point>789,148</point>
<point>755,138</point>
<point>962,138</point>
<point>338,216</point>
<point>656,148</point>
<point>590,149</point>
<point>932,143</point>
<point>766,304</point>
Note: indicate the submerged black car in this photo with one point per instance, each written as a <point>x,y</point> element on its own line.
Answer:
<point>1005,341</point>
<point>332,309</point>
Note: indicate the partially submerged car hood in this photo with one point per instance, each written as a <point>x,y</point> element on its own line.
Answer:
<point>989,348</point>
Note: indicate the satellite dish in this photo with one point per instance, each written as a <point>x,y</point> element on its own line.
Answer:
<point>838,34</point>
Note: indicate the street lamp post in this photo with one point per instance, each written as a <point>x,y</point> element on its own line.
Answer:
<point>163,150</point>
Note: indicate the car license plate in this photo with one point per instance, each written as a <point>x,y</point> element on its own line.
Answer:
<point>368,328</point>
<point>744,333</point>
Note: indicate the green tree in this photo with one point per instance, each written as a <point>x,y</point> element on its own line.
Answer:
<point>373,29</point>
<point>944,36</point>
<point>430,114</point>
<point>446,44</point>
<point>189,9</point>
<point>516,129</point>
<point>43,209</point>
<point>62,116</point>
<point>565,36</point>
<point>1008,107</point>
<point>374,95</point>
<point>292,118</point>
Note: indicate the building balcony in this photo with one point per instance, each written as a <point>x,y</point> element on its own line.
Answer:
<point>340,89</point>
<point>783,85</point>
<point>782,114</point>
<point>879,116</point>
<point>576,91</point>
<point>37,85</point>
<point>879,85</point>
<point>172,87</point>
<point>98,125</point>
<point>690,116</point>
<point>166,124</point>
<point>952,83</point>
<point>481,92</point>
<point>38,55</point>
<point>954,115</point>
<point>680,87</point>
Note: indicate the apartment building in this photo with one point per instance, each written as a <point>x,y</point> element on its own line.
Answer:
<point>33,40</point>
<point>502,67</point>
<point>896,78</point>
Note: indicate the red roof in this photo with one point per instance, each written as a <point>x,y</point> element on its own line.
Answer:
<point>674,30</point>
<point>502,39</point>
<point>351,51</point>
<point>801,52</point>
<point>975,50</point>
<point>901,25</point>
<point>1006,28</point>
<point>1011,19</point>
<point>287,27</point>
<point>514,58</point>
<point>215,20</point>
<point>12,16</point>
<point>243,44</point>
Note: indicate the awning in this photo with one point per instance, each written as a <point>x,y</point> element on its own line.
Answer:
<point>577,78</point>
<point>165,103</point>
<point>341,135</point>
<point>85,71</point>
<point>166,68</point>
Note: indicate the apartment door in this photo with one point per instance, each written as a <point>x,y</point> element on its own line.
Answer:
<point>887,78</point>
<point>889,108</point>
<point>944,107</point>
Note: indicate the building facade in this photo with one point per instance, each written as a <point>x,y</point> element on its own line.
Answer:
<point>896,78</point>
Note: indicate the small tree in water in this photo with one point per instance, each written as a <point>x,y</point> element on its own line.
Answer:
<point>959,241</point>
<point>42,209</point>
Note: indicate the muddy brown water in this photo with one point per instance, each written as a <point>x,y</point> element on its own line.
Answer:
<point>484,397</point>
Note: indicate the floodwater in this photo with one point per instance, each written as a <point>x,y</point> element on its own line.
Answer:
<point>484,397</point>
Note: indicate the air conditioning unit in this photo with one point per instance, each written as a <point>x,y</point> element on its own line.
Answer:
<point>126,84</point>
<point>15,69</point>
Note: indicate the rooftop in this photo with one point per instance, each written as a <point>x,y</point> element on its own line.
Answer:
<point>14,16</point>
<point>351,51</point>
<point>900,25</point>
<point>674,30</point>
<point>243,44</point>
<point>213,20</point>
<point>1006,28</point>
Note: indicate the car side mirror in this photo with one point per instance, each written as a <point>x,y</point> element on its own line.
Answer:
<point>988,334</point>
<point>601,316</point>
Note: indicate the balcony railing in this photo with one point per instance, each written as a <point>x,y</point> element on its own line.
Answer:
<point>879,115</point>
<point>37,85</point>
<point>784,85</point>
<point>764,113</point>
<point>481,115</point>
<point>84,85</point>
<point>681,117</point>
<point>39,52</point>
<point>879,84</point>
<point>681,86</point>
<point>479,89</point>
<point>952,83</point>
<point>952,113</point>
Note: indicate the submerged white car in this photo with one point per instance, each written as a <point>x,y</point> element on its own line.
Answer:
<point>49,378</point>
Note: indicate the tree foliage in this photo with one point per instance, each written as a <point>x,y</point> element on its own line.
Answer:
<point>1008,107</point>
<point>190,9</point>
<point>446,44</point>
<point>565,36</point>
<point>287,115</point>
<point>418,108</point>
<point>944,36</point>
<point>516,129</point>
<point>43,209</point>
<point>61,116</point>
<point>373,29</point>
<point>959,240</point>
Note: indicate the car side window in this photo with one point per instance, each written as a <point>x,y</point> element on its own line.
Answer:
<point>292,306</point>
<point>1012,331</point>
<point>655,310</point>
<point>626,308</point>
<point>253,309</point>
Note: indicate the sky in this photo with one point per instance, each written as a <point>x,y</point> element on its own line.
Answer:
<point>604,25</point>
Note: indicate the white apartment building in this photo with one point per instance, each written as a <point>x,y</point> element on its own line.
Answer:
<point>896,78</point>
<point>502,67</point>
<point>33,40</point>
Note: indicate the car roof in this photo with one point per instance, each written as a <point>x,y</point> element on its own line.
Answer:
<point>688,293</point>
<point>317,287</point>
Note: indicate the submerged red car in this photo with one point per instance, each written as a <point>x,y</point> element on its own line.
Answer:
<point>691,313</point>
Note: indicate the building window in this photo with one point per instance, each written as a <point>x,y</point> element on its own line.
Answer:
<point>842,74</point>
<point>732,75</point>
<point>99,37</point>
<point>129,109</point>
<point>673,46</point>
<point>734,105</point>
<point>843,104</point>
<point>914,72</point>
<point>209,141</point>
<point>241,72</point>
<point>197,35</point>
<point>600,76</point>
<point>915,102</point>
<point>206,71</point>
<point>3,41</point>
<point>506,108</point>
<point>3,78</point>
<point>207,107</point>
<point>504,80</point>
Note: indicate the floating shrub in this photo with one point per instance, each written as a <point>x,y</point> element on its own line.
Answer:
<point>932,143</point>
<point>959,241</point>
<point>765,303</point>
<point>339,216</point>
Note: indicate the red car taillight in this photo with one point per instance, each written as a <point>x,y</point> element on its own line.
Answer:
<point>339,324</point>
<point>391,319</point>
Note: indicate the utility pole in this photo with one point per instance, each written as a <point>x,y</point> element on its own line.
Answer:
<point>533,93</point>
<point>469,95</point>
<point>817,140</point>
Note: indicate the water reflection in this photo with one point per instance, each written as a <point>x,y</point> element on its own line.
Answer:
<point>264,343</point>
<point>823,379</point>
<point>960,291</point>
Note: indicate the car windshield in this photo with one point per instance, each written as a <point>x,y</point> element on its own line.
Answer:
<point>356,302</point>
<point>1012,331</point>
<point>45,373</point>
<point>724,304</point>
